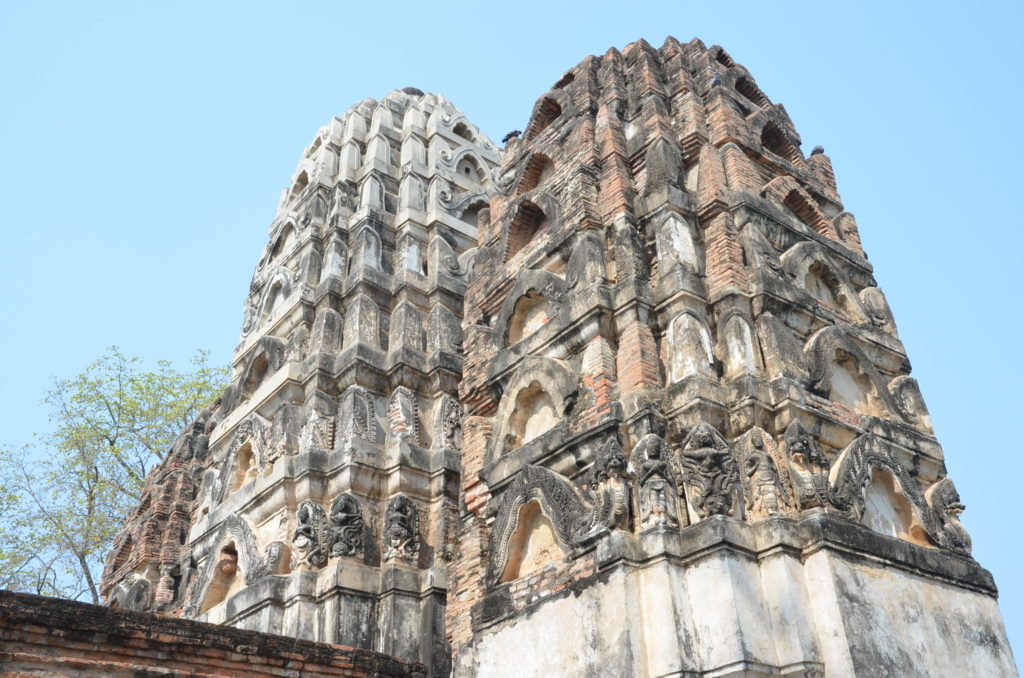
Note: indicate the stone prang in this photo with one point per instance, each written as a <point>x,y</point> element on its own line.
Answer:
<point>621,399</point>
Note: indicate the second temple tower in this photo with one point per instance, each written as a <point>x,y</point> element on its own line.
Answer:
<point>621,400</point>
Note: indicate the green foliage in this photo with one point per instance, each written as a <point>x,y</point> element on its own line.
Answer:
<point>63,499</point>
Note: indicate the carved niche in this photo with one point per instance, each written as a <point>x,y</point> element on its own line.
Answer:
<point>235,550</point>
<point>659,491</point>
<point>536,501</point>
<point>687,351</point>
<point>710,474</point>
<point>346,527</point>
<point>356,418</point>
<point>402,530</point>
<point>871,485</point>
<point>403,415</point>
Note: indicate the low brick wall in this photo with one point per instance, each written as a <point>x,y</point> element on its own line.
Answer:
<point>51,637</point>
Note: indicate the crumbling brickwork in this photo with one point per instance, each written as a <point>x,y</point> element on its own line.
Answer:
<point>64,639</point>
<point>628,384</point>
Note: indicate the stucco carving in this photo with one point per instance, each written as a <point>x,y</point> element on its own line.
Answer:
<point>709,470</point>
<point>402,530</point>
<point>659,491</point>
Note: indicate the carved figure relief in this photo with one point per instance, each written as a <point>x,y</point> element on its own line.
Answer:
<point>658,500</point>
<point>943,498</point>
<point>402,530</point>
<point>709,472</point>
<point>764,489</point>
<point>309,542</point>
<point>611,492</point>
<point>345,532</point>
<point>809,467</point>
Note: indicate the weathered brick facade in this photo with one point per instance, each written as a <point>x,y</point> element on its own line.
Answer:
<point>686,440</point>
<point>60,638</point>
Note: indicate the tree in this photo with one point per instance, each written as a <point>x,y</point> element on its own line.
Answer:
<point>63,498</point>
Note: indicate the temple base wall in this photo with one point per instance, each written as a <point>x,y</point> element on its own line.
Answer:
<point>64,639</point>
<point>820,597</point>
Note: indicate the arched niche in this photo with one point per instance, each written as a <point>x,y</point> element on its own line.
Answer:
<point>534,415</point>
<point>888,511</point>
<point>841,372</point>
<point>850,386</point>
<point>538,169</point>
<point>739,355</point>
<point>774,139</point>
<point>283,243</point>
<point>471,214</point>
<point>469,168</point>
<point>544,114</point>
<point>300,184</point>
<point>529,220</point>
<point>817,283</point>
<point>529,315</point>
<point>814,271</point>
<point>676,246</point>
<point>533,545</point>
<point>751,92</point>
<point>686,350</point>
<point>244,467</point>
<point>535,299</point>
<point>871,485</point>
<point>534,403</point>
<point>225,579</point>
<point>461,129</point>
<point>256,374</point>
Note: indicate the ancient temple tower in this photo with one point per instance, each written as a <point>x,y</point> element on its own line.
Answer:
<point>692,444</point>
<point>323,487</point>
<point>623,400</point>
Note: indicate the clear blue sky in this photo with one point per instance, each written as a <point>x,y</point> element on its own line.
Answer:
<point>143,148</point>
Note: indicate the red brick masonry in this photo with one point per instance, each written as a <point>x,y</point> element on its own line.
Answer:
<point>51,637</point>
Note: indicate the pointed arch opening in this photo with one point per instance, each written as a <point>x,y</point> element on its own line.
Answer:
<point>888,511</point>
<point>533,545</point>
<point>547,112</point>
<point>722,57</point>
<point>226,578</point>
<point>469,168</point>
<point>283,243</point>
<point>806,212</point>
<point>528,221</point>
<point>301,182</point>
<point>471,216</point>
<point>537,171</point>
<point>461,129</point>
<point>245,467</point>
<point>850,386</point>
<point>257,372</point>
<point>534,414</point>
<point>532,312</point>
<point>751,92</point>
<point>776,141</point>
